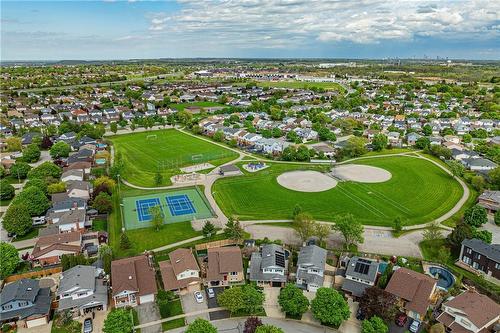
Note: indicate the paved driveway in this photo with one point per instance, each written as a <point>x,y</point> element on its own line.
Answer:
<point>351,325</point>
<point>493,228</point>
<point>189,304</point>
<point>149,312</point>
<point>271,305</point>
<point>212,303</point>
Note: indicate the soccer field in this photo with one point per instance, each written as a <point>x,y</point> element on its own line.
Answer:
<point>179,205</point>
<point>418,192</point>
<point>165,151</point>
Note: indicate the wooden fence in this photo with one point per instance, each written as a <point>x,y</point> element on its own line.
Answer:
<point>34,274</point>
<point>217,243</point>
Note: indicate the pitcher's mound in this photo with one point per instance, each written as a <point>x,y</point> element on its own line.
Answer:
<point>361,173</point>
<point>306,181</point>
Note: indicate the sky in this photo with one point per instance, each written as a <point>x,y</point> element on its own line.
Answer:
<point>134,29</point>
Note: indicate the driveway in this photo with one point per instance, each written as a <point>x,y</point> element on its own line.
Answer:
<point>149,312</point>
<point>393,328</point>
<point>351,325</point>
<point>189,304</point>
<point>212,303</point>
<point>493,228</point>
<point>271,305</point>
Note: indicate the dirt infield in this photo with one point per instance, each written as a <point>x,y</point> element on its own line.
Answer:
<point>361,173</point>
<point>306,181</point>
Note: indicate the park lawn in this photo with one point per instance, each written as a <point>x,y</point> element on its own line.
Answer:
<point>299,85</point>
<point>388,152</point>
<point>418,192</point>
<point>201,104</point>
<point>144,155</point>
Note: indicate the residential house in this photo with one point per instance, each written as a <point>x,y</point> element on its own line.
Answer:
<point>360,274</point>
<point>181,273</point>
<point>269,267</point>
<point>469,312</point>
<point>224,267</point>
<point>478,164</point>
<point>480,257</point>
<point>490,200</point>
<point>81,165</point>
<point>133,281</point>
<point>412,138</point>
<point>49,249</point>
<point>82,289</point>
<point>311,267</point>
<point>61,202</point>
<point>415,291</point>
<point>67,221</point>
<point>73,174</point>
<point>25,303</point>
<point>78,189</point>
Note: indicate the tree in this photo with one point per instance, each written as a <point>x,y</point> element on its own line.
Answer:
<point>292,136</point>
<point>251,324</point>
<point>475,216</point>
<point>422,143</point>
<point>378,302</point>
<point>2,171</point>
<point>355,146</point>
<point>329,307</point>
<point>31,153</point>
<point>292,301</point>
<point>20,170</point>
<point>17,219</point>
<point>478,183</point>
<point>379,142</point>
<point>397,224</point>
<point>497,217</point>
<point>494,176</point>
<point>462,231</point>
<point>386,275</point>
<point>200,326</point>
<point>9,259</point>
<point>427,129</point>
<point>322,231</point>
<point>268,329</point>
<point>118,320</point>
<point>59,149</point>
<point>7,191</point>
<point>433,232</point>
<point>106,255</point>
<point>103,203</point>
<point>13,144</point>
<point>233,229</point>
<point>158,179</point>
<point>124,241</point>
<point>457,169</point>
<point>374,325</point>
<point>34,199</point>
<point>437,328</point>
<point>484,235</point>
<point>113,127</point>
<point>157,217</point>
<point>37,183</point>
<point>45,170</point>
<point>58,187</point>
<point>241,299</point>
<point>219,136</point>
<point>350,228</point>
<point>208,229</point>
<point>304,226</point>
<point>296,210</point>
<point>46,142</point>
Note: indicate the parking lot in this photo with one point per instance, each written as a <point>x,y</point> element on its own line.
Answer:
<point>212,303</point>
<point>189,304</point>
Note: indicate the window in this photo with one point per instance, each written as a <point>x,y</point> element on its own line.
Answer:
<point>7,307</point>
<point>478,256</point>
<point>497,265</point>
<point>469,251</point>
<point>23,303</point>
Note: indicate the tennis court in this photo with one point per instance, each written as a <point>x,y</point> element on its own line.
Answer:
<point>177,205</point>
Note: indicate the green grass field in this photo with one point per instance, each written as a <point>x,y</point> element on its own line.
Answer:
<point>144,155</point>
<point>299,85</point>
<point>418,192</point>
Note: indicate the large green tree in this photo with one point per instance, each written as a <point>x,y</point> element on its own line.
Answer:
<point>60,149</point>
<point>350,228</point>
<point>31,153</point>
<point>118,321</point>
<point>233,229</point>
<point>244,299</point>
<point>475,216</point>
<point>17,219</point>
<point>103,203</point>
<point>20,170</point>
<point>268,329</point>
<point>46,170</point>
<point>9,259</point>
<point>374,325</point>
<point>39,183</point>
<point>462,231</point>
<point>292,301</point>
<point>34,199</point>
<point>157,217</point>
<point>379,142</point>
<point>330,307</point>
<point>200,326</point>
<point>304,225</point>
<point>7,191</point>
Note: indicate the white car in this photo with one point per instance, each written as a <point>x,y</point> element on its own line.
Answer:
<point>414,326</point>
<point>211,293</point>
<point>198,296</point>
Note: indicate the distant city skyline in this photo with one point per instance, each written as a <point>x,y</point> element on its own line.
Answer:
<point>118,30</point>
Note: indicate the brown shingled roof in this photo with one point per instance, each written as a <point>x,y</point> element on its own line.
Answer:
<point>480,309</point>
<point>182,260</point>
<point>169,278</point>
<point>67,237</point>
<point>223,260</point>
<point>415,288</point>
<point>134,274</point>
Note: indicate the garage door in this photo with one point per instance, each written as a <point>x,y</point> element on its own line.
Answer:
<point>147,298</point>
<point>193,288</point>
<point>36,322</point>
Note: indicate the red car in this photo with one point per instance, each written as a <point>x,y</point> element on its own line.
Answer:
<point>401,319</point>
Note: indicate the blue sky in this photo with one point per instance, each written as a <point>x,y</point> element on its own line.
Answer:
<point>41,30</point>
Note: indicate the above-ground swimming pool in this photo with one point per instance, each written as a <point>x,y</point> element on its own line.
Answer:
<point>445,278</point>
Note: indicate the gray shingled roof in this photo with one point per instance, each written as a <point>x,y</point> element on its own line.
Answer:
<point>312,255</point>
<point>29,290</point>
<point>370,275</point>
<point>79,276</point>
<point>256,273</point>
<point>492,251</point>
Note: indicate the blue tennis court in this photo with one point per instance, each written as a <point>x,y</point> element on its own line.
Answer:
<point>143,208</point>
<point>180,205</point>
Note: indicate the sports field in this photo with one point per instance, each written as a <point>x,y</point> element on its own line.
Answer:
<point>177,206</point>
<point>299,85</point>
<point>418,192</point>
<point>165,151</point>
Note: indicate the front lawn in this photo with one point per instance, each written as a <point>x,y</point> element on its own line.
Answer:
<point>173,308</point>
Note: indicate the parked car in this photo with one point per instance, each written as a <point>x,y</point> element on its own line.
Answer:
<point>415,325</point>
<point>198,297</point>
<point>210,293</point>
<point>87,325</point>
<point>38,220</point>
<point>401,319</point>
<point>360,315</point>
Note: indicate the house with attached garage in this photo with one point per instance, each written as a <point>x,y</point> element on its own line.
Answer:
<point>133,281</point>
<point>360,274</point>
<point>480,257</point>
<point>49,249</point>
<point>269,267</point>
<point>71,220</point>
<point>490,200</point>
<point>82,289</point>
<point>224,267</point>
<point>78,189</point>
<point>25,303</point>
<point>478,164</point>
<point>76,174</point>
<point>414,290</point>
<point>181,273</point>
<point>469,312</point>
<point>311,267</point>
